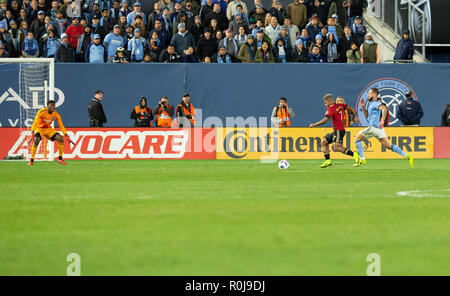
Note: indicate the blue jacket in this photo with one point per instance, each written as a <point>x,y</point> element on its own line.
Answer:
<point>404,50</point>
<point>317,58</point>
<point>51,46</point>
<point>137,48</point>
<point>410,112</point>
<point>112,42</point>
<point>96,54</point>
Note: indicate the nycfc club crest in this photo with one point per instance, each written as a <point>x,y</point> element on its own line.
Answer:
<point>392,93</point>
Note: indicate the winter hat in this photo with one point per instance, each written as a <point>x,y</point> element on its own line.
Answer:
<point>137,4</point>
<point>298,41</point>
<point>63,35</point>
<point>206,30</point>
<point>314,17</point>
<point>405,31</point>
<point>181,25</point>
<point>335,16</point>
<point>96,36</point>
<point>41,12</point>
<point>2,25</point>
<point>137,30</point>
<point>318,36</point>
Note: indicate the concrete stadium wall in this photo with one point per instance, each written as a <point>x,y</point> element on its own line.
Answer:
<point>229,90</point>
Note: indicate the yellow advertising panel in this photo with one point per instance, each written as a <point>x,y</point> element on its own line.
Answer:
<point>304,143</point>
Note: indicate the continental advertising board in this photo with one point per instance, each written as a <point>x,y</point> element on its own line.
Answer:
<point>304,143</point>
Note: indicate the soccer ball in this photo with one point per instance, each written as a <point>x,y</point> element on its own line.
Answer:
<point>283,164</point>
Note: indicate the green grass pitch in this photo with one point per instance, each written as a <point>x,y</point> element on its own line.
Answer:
<point>222,217</point>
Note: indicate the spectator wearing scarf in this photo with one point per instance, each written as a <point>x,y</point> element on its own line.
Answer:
<point>155,46</point>
<point>332,49</point>
<point>230,44</point>
<point>17,38</point>
<point>30,47</point>
<point>264,54</point>
<point>247,51</point>
<point>222,57</point>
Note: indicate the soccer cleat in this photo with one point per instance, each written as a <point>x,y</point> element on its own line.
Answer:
<point>356,157</point>
<point>360,163</point>
<point>31,162</point>
<point>61,161</point>
<point>410,159</point>
<point>326,163</point>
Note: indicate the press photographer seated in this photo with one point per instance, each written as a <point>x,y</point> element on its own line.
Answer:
<point>142,114</point>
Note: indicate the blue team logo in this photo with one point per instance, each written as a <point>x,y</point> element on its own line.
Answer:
<point>392,92</point>
<point>53,118</point>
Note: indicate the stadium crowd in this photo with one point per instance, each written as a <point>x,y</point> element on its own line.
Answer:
<point>189,31</point>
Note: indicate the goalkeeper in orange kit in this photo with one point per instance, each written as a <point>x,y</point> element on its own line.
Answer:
<point>42,127</point>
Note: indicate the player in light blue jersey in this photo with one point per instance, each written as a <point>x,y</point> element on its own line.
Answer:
<point>376,113</point>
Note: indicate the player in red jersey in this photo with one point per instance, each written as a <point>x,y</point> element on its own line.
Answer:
<point>335,111</point>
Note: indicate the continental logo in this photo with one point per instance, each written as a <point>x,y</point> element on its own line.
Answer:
<point>291,143</point>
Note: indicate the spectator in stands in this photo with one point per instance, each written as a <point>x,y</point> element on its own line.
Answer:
<point>267,19</point>
<point>230,44</point>
<point>167,4</point>
<point>218,37</point>
<point>207,60</point>
<point>205,10</point>
<point>185,112</point>
<point>405,47</point>
<point>293,30</point>
<point>281,52</point>
<point>137,47</point>
<point>122,24</point>
<point>105,21</point>
<point>3,53</point>
<point>142,114</point>
<point>370,51</point>
<point>17,38</point>
<point>169,55</point>
<point>247,52</point>
<point>175,13</point>
<point>222,57</point>
<point>278,11</point>
<point>125,9</point>
<point>155,46</point>
<point>260,37</point>
<point>359,30</point>
<point>324,33</point>
<point>300,53</point>
<point>191,9</point>
<point>38,23</point>
<point>115,12</point>
<point>305,38</point>
<point>219,16</point>
<point>207,46</point>
<point>83,43</point>
<point>273,30</point>
<point>258,26</point>
<point>189,56</point>
<point>183,39</point>
<point>332,49</point>
<point>319,42</point>
<point>96,114</point>
<point>147,58</point>
<point>213,27</point>
<point>258,14</point>
<point>65,53</point>
<point>344,44</point>
<point>332,28</point>
<point>197,29</point>
<point>237,23</point>
<point>113,41</point>
<point>129,34</point>
<point>313,27</point>
<point>163,35</point>
<point>51,44</point>
<point>356,9</point>
<point>297,12</point>
<point>319,8</point>
<point>286,40</point>
<point>96,53</point>
<point>61,22</point>
<point>445,117</point>
<point>154,15</point>
<point>131,17</point>
<point>232,8</point>
<point>264,54</point>
<point>30,47</point>
<point>410,111</point>
<point>96,28</point>
<point>121,56</point>
<point>15,9</point>
<point>339,28</point>
<point>139,23</point>
<point>315,56</point>
<point>163,113</point>
<point>282,114</point>
<point>242,37</point>
<point>181,19</point>
<point>22,17</point>
<point>354,54</point>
